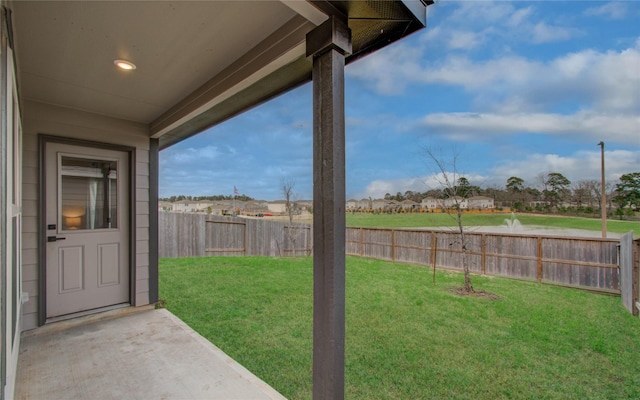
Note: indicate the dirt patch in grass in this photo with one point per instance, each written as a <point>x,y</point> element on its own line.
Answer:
<point>462,292</point>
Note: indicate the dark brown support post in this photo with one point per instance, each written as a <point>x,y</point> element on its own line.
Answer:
<point>328,44</point>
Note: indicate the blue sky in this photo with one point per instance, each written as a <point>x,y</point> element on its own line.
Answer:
<point>509,88</point>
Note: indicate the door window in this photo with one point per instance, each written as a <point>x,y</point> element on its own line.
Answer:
<point>88,193</point>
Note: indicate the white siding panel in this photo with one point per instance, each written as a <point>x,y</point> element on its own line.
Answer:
<point>30,224</point>
<point>142,194</point>
<point>30,207</point>
<point>30,156</point>
<point>30,287</point>
<point>142,155</point>
<point>142,208</point>
<point>142,168</point>
<point>29,192</point>
<point>29,320</point>
<point>142,286</point>
<point>29,257</point>
<point>142,299</point>
<point>142,259</point>
<point>29,176</point>
<point>29,240</point>
<point>142,273</point>
<point>142,221</point>
<point>30,306</point>
<point>142,181</point>
<point>142,246</point>
<point>142,233</point>
<point>30,272</point>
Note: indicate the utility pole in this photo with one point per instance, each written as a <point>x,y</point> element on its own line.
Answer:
<point>603,203</point>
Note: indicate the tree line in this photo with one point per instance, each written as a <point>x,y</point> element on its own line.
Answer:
<point>551,191</point>
<point>217,197</point>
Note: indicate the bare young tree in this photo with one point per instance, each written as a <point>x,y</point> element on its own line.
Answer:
<point>291,208</point>
<point>287,186</point>
<point>448,177</point>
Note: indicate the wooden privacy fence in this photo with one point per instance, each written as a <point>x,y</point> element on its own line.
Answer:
<point>588,263</point>
<point>189,235</point>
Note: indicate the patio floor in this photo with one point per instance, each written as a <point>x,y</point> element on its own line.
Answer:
<point>144,355</point>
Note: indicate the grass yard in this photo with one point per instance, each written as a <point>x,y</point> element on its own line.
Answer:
<point>408,338</point>
<point>442,220</point>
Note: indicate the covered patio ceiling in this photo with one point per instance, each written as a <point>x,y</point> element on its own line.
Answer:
<point>198,63</point>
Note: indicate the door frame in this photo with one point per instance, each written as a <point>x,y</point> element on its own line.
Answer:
<point>43,140</point>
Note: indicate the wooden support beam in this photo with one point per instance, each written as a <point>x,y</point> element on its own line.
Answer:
<point>328,44</point>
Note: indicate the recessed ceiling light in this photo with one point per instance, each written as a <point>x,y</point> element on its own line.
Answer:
<point>124,64</point>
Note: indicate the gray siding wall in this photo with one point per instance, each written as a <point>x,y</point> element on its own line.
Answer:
<point>56,121</point>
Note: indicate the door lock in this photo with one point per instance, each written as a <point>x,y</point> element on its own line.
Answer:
<point>54,238</point>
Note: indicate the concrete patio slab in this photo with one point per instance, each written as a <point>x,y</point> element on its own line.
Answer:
<point>144,355</point>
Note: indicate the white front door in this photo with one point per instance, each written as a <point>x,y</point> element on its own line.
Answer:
<point>87,216</point>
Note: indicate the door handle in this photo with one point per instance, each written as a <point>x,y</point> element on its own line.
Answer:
<point>54,238</point>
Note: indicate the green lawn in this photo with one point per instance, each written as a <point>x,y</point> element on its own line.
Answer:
<point>408,338</point>
<point>441,220</point>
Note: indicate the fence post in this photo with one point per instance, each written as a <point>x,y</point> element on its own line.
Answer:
<point>636,277</point>
<point>484,254</point>
<point>245,238</point>
<point>393,245</point>
<point>539,259</point>
<point>361,242</point>
<point>434,249</point>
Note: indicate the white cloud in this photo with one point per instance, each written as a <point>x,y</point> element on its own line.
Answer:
<point>463,40</point>
<point>613,10</point>
<point>505,21</point>
<point>543,33</point>
<point>466,126</point>
<point>520,16</point>
<point>378,188</point>
<point>188,155</point>
<point>603,81</point>
<point>583,165</point>
<point>485,12</point>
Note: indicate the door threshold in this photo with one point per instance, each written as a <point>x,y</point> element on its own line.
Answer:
<point>87,312</point>
<point>86,317</point>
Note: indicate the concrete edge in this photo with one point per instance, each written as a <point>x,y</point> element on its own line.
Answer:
<point>233,364</point>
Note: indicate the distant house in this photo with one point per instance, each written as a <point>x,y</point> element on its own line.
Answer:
<point>480,203</point>
<point>365,204</point>
<point>304,205</point>
<point>352,204</point>
<point>184,206</point>
<point>165,206</point>
<point>431,203</point>
<point>379,204</point>
<point>277,206</point>
<point>456,201</point>
<point>538,203</point>
<point>192,206</point>
<point>409,205</point>
<point>256,206</point>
